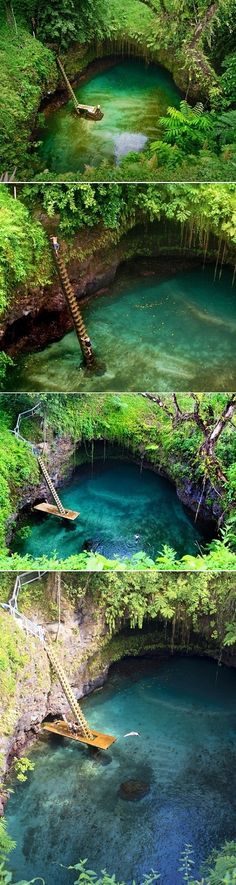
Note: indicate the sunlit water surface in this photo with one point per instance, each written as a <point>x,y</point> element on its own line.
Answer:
<point>132,96</point>
<point>152,334</point>
<point>71,807</point>
<point>122,511</point>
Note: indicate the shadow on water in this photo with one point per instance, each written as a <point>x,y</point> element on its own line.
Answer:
<point>73,807</point>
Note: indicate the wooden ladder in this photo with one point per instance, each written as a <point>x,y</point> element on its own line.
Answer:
<point>75,707</point>
<point>50,485</point>
<point>92,111</point>
<point>80,328</point>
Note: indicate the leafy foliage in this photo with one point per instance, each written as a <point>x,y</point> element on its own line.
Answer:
<point>228,78</point>
<point>17,466</point>
<point>144,429</point>
<point>221,866</point>
<point>65,21</point>
<point>27,69</point>
<point>78,207</point>
<point>59,23</point>
<point>223,871</point>
<point>25,256</point>
<point>6,843</point>
<point>22,247</point>
<point>5,363</point>
<point>193,43</point>
<point>187,128</point>
<point>21,767</point>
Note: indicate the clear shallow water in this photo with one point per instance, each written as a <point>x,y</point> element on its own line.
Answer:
<point>132,96</point>
<point>70,808</point>
<point>116,503</point>
<point>152,334</point>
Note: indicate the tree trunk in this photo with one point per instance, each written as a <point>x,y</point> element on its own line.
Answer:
<point>203,24</point>
<point>207,447</point>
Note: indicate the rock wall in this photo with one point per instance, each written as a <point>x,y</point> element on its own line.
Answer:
<point>37,694</point>
<point>82,62</point>
<point>63,456</point>
<point>39,315</point>
<point>86,651</point>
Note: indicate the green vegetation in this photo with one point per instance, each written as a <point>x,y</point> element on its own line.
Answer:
<point>91,217</point>
<point>22,248</point>
<point>17,467</point>
<point>6,845</point>
<point>192,613</point>
<point>195,41</point>
<point>206,208</point>
<point>21,767</point>
<point>221,863</point>
<point>199,604</point>
<point>180,608</point>
<point>13,660</point>
<point>193,435</point>
<point>28,69</point>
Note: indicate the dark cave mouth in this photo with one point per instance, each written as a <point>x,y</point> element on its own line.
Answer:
<point>124,509</point>
<point>176,315</point>
<point>40,326</point>
<point>189,776</point>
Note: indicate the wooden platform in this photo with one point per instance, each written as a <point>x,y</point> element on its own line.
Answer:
<point>53,511</point>
<point>90,111</point>
<point>100,741</point>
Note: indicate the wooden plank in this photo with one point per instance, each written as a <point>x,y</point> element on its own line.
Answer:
<point>100,741</point>
<point>53,511</point>
<point>91,110</point>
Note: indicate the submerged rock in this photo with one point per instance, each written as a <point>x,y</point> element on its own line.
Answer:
<point>133,790</point>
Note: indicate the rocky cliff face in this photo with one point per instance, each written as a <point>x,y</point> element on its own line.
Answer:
<point>62,457</point>
<point>85,650</point>
<point>38,694</point>
<point>59,456</point>
<point>38,316</point>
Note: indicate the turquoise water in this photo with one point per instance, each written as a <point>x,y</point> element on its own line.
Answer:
<point>132,96</point>
<point>153,335</point>
<point>71,807</point>
<point>116,502</point>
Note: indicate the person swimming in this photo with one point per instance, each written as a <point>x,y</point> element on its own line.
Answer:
<point>131,734</point>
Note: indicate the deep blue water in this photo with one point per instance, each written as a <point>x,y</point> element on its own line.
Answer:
<point>122,511</point>
<point>71,807</point>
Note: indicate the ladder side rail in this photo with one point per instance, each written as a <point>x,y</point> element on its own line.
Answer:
<point>68,84</point>
<point>31,580</point>
<point>93,111</point>
<point>13,601</point>
<point>21,415</point>
<point>25,623</point>
<point>50,485</point>
<point>75,312</point>
<point>74,705</point>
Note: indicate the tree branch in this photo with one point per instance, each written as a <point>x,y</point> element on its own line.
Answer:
<point>157,399</point>
<point>211,429</point>
<point>208,15</point>
<point>225,417</point>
